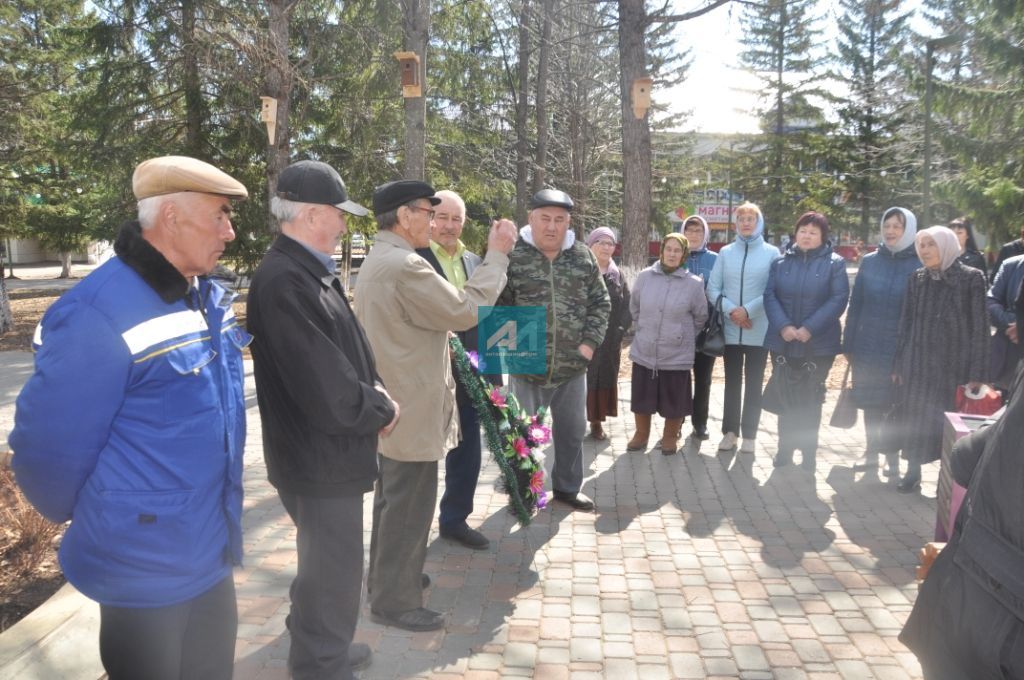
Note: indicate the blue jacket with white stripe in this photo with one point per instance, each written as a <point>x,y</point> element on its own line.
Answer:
<point>133,427</point>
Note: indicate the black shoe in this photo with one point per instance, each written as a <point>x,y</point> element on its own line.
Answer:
<point>909,484</point>
<point>577,500</point>
<point>424,583</point>
<point>471,538</point>
<point>415,619</point>
<point>782,459</point>
<point>700,433</point>
<point>359,656</point>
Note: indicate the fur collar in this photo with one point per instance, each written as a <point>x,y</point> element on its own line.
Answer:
<point>149,263</point>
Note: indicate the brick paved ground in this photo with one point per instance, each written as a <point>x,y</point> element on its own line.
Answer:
<point>697,565</point>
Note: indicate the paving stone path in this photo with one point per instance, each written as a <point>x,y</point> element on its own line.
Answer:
<point>698,565</point>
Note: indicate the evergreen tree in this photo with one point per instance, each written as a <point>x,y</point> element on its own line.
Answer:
<point>979,112</point>
<point>869,57</point>
<point>782,38</point>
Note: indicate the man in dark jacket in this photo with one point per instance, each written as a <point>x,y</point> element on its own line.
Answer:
<point>323,405</point>
<point>1011,249</point>
<point>448,255</point>
<point>968,620</point>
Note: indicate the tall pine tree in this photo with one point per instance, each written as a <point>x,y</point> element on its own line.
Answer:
<point>782,38</point>
<point>868,60</point>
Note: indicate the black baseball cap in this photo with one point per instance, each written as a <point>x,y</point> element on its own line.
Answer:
<point>552,197</point>
<point>395,194</point>
<point>316,182</point>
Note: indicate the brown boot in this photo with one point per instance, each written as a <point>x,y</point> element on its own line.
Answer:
<point>642,434</point>
<point>670,436</point>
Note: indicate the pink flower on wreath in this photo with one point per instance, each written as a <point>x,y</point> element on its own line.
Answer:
<point>521,447</point>
<point>537,482</point>
<point>539,433</point>
<point>497,398</point>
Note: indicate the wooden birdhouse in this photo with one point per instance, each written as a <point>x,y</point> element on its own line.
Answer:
<point>641,96</point>
<point>409,65</point>
<point>268,114</point>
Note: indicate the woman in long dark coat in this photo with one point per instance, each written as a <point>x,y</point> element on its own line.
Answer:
<point>872,327</point>
<point>603,370</point>
<point>943,343</point>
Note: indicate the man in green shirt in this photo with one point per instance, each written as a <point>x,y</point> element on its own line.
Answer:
<point>448,255</point>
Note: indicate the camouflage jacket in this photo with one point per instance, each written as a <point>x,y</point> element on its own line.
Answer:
<point>572,291</point>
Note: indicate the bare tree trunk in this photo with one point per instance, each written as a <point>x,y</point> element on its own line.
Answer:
<point>416,25</point>
<point>279,86</point>
<point>193,94</point>
<point>541,159</point>
<point>6,317</point>
<point>636,137</point>
<point>65,266</point>
<point>522,116</point>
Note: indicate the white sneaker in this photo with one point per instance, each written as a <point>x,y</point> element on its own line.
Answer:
<point>748,445</point>
<point>728,442</point>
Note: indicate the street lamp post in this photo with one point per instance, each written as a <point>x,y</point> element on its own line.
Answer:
<point>926,188</point>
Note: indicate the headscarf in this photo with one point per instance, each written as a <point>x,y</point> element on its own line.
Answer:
<point>759,230</point>
<point>909,231</point>
<point>707,232</point>
<point>681,240</point>
<point>607,232</point>
<point>947,243</point>
<point>593,236</point>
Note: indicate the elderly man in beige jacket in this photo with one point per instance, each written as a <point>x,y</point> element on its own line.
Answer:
<point>407,310</point>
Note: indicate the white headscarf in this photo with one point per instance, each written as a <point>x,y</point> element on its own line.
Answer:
<point>707,232</point>
<point>908,233</point>
<point>946,241</point>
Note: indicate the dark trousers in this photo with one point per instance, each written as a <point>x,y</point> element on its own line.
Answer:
<point>703,366</point>
<point>798,427</point>
<point>403,509</point>
<point>744,380</point>
<point>461,471</point>
<point>193,640</point>
<point>874,418</point>
<point>326,590</point>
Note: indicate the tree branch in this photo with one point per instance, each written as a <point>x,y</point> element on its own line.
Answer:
<point>686,16</point>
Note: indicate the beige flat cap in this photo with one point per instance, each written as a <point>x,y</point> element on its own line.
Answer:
<point>171,174</point>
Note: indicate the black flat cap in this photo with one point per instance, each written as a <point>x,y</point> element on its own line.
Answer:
<point>316,182</point>
<point>546,197</point>
<point>396,194</point>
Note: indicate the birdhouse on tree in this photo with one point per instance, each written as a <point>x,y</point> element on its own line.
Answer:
<point>409,65</point>
<point>641,96</point>
<point>268,114</point>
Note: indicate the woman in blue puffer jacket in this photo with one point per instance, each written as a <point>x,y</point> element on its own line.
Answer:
<point>739,276</point>
<point>700,263</point>
<point>806,294</point>
<point>872,326</point>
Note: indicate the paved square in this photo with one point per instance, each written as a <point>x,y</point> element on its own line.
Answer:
<point>697,565</point>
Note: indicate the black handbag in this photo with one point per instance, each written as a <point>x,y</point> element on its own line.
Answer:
<point>711,339</point>
<point>891,434</point>
<point>789,387</point>
<point>845,413</point>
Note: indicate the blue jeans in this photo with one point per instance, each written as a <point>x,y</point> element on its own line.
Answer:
<point>461,471</point>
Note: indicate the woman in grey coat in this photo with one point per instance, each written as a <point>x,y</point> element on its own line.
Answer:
<point>943,343</point>
<point>669,308</point>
